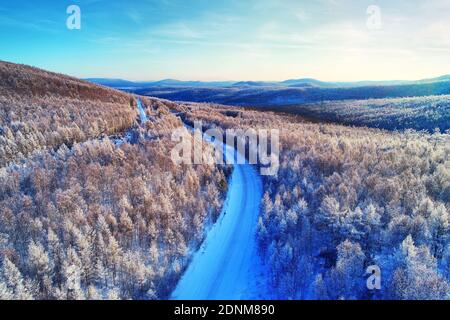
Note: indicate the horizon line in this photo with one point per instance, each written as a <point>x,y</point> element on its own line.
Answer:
<point>267,81</point>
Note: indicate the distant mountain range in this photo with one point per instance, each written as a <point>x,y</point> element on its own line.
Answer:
<point>120,83</point>
<point>295,83</point>
<point>289,92</point>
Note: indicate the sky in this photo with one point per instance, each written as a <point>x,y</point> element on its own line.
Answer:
<point>330,40</point>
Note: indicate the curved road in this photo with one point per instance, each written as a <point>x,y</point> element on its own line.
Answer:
<point>142,114</point>
<point>226,266</point>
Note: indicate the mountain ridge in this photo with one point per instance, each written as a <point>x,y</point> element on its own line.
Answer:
<point>300,82</point>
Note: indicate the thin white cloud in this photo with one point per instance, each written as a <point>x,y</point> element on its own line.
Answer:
<point>135,16</point>
<point>44,25</point>
<point>301,15</point>
<point>436,34</point>
<point>178,30</point>
<point>332,34</point>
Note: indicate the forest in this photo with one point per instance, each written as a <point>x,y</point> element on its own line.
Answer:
<point>418,113</point>
<point>40,110</point>
<point>102,222</point>
<point>86,212</point>
<point>85,217</point>
<point>346,198</point>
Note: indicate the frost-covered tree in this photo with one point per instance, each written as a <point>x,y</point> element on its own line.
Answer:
<point>14,282</point>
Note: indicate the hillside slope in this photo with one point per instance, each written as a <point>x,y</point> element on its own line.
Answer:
<point>40,109</point>
<point>418,113</point>
<point>106,218</point>
<point>281,95</point>
<point>346,198</point>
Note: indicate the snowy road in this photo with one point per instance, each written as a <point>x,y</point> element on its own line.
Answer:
<point>227,265</point>
<point>142,113</point>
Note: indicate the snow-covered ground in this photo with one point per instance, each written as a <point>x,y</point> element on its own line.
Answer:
<point>142,113</point>
<point>227,265</point>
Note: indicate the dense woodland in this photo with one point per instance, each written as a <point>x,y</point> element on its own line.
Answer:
<point>418,113</point>
<point>39,110</point>
<point>347,198</point>
<point>95,217</point>
<point>102,221</point>
<point>88,213</point>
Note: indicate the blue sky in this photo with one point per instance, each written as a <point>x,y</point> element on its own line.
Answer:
<point>230,40</point>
